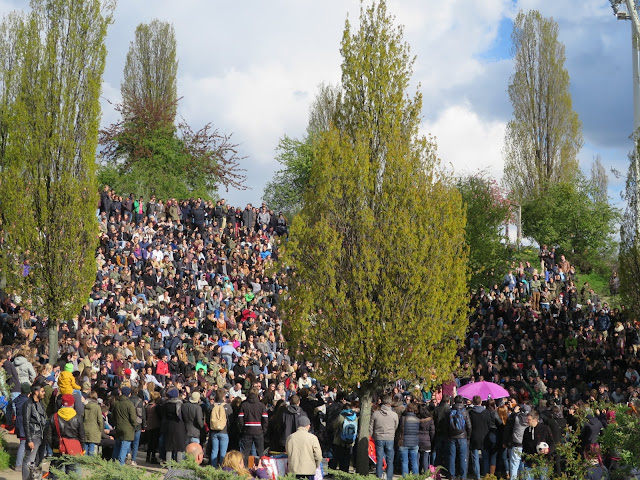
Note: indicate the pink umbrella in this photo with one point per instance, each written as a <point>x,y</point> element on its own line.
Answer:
<point>485,390</point>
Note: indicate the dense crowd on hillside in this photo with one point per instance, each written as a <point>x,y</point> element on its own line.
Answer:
<point>181,342</point>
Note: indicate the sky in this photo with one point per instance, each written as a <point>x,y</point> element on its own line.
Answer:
<point>252,68</point>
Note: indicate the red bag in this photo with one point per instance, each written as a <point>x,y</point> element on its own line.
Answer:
<point>70,446</point>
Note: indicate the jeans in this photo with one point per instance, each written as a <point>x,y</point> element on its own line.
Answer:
<point>543,473</point>
<point>384,450</point>
<point>515,457</point>
<point>219,445</point>
<point>32,456</point>
<point>409,459</point>
<point>169,456</point>
<point>20,454</point>
<point>425,461</point>
<point>121,449</point>
<point>135,445</point>
<point>475,458</point>
<point>194,439</point>
<point>458,445</point>
<point>11,409</point>
<point>91,449</point>
<point>504,455</point>
<point>68,469</point>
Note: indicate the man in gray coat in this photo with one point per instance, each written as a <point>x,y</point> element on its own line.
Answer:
<point>383,426</point>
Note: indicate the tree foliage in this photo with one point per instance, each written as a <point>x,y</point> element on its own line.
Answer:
<point>286,190</point>
<point>151,69</point>
<point>543,138</point>
<point>573,218</point>
<point>146,152</point>
<point>50,121</point>
<point>486,211</point>
<point>629,255</point>
<point>378,250</point>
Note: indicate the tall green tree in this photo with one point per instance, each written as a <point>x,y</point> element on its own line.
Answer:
<point>285,191</point>
<point>147,152</point>
<point>48,188</point>
<point>151,70</point>
<point>573,217</point>
<point>487,212</point>
<point>544,137</point>
<point>378,250</point>
<point>629,254</point>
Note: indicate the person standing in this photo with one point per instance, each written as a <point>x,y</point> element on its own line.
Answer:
<point>141,419</point>
<point>253,420</point>
<point>173,426</point>
<point>383,426</point>
<point>93,423</point>
<point>409,440</point>
<point>440,453</point>
<point>290,418</point>
<point>123,414</point>
<point>426,437</point>
<point>537,439</point>
<point>193,417</point>
<point>459,431</point>
<point>19,401</point>
<point>303,449</point>
<point>14,379</point>
<point>514,433</point>
<point>480,427</point>
<point>35,421</point>
<point>218,425</point>
<point>63,425</point>
<point>344,436</point>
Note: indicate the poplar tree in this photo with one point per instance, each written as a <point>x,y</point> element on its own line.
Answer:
<point>146,152</point>
<point>151,71</point>
<point>48,190</point>
<point>544,137</point>
<point>379,289</point>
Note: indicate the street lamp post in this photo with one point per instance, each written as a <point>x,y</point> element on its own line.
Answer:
<point>628,10</point>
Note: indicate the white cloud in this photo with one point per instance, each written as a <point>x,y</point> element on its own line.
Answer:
<point>467,143</point>
<point>253,67</point>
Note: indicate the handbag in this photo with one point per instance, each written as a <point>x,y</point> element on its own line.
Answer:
<point>69,446</point>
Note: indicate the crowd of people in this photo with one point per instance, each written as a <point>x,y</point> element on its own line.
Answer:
<point>181,343</point>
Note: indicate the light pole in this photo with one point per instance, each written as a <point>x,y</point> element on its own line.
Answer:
<point>628,10</point>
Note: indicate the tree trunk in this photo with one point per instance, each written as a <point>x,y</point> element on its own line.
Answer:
<point>362,445</point>
<point>53,342</point>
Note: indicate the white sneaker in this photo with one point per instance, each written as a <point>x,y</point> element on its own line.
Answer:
<point>133,463</point>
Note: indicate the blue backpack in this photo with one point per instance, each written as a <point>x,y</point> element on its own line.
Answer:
<point>349,427</point>
<point>457,422</point>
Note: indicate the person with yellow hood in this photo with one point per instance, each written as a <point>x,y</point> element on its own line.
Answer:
<point>65,425</point>
<point>66,381</point>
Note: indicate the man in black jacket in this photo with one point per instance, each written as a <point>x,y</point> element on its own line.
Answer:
<point>35,421</point>
<point>253,420</point>
<point>290,419</point>
<point>67,424</point>
<point>536,434</point>
<point>480,426</point>
<point>441,440</point>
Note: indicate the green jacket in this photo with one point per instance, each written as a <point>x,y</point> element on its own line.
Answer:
<point>93,422</point>
<point>124,418</point>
